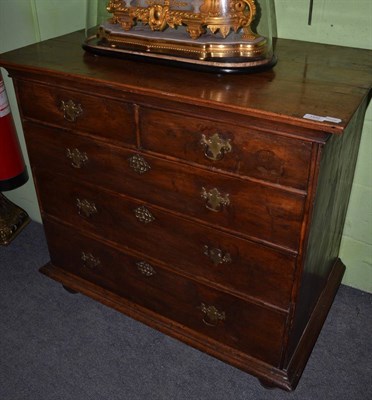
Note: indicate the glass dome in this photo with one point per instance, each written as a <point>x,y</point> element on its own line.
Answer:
<point>227,35</point>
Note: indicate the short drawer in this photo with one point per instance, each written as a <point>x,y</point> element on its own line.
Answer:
<point>241,150</point>
<point>78,111</point>
<point>241,325</point>
<point>240,266</point>
<point>241,206</point>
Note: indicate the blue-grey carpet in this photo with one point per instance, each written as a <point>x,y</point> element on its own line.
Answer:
<point>59,346</point>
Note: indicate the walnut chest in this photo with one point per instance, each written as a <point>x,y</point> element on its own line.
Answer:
<point>210,207</point>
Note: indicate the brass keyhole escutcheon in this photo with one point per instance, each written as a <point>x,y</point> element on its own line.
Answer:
<point>212,316</point>
<point>77,157</point>
<point>215,146</point>
<point>86,208</point>
<point>139,164</point>
<point>143,215</point>
<point>145,268</point>
<point>71,111</point>
<point>215,201</point>
<point>217,256</point>
<point>89,260</point>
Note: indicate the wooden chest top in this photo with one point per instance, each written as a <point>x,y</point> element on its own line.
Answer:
<point>307,80</point>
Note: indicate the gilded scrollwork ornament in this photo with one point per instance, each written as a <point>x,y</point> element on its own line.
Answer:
<point>214,15</point>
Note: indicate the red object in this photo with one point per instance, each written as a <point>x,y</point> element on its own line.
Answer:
<point>13,172</point>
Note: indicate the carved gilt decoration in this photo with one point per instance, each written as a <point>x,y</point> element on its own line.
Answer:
<point>214,15</point>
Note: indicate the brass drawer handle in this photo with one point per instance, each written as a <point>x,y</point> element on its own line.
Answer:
<point>145,268</point>
<point>143,215</point>
<point>211,315</point>
<point>215,201</point>
<point>71,110</point>
<point>86,208</point>
<point>139,164</point>
<point>215,147</point>
<point>217,256</point>
<point>78,158</point>
<point>89,260</point>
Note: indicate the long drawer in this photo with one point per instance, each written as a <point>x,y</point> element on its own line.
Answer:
<point>72,110</point>
<point>249,208</point>
<point>223,146</point>
<point>244,326</point>
<point>240,266</point>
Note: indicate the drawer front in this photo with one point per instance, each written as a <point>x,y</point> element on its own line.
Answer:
<point>77,111</point>
<point>244,151</point>
<point>238,265</point>
<point>242,206</point>
<point>244,326</point>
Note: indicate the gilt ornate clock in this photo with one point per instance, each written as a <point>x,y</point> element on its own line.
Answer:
<point>225,35</point>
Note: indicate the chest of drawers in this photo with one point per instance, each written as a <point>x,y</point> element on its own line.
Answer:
<point>205,206</point>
